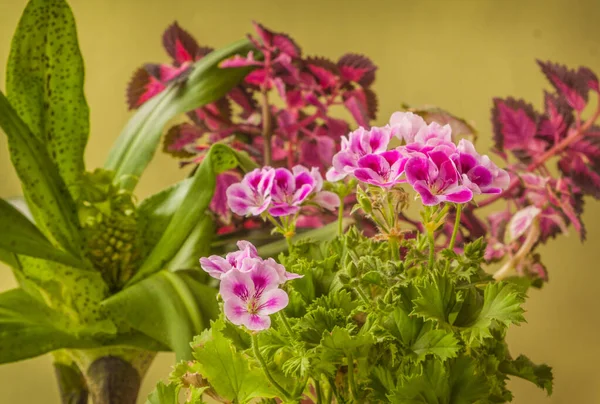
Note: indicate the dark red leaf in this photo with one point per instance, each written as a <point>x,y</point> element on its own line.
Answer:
<point>243,97</point>
<point>286,45</point>
<point>355,102</point>
<point>326,72</point>
<point>180,45</point>
<point>336,128</point>
<point>143,86</point>
<point>264,34</point>
<point>372,103</point>
<point>557,119</point>
<point>357,68</point>
<point>515,126</point>
<point>240,61</point>
<point>258,78</point>
<point>581,163</point>
<point>180,140</point>
<point>572,84</point>
<point>590,77</point>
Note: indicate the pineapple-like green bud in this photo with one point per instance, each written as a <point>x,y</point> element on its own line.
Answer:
<point>109,220</point>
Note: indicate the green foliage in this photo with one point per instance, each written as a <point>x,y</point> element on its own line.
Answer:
<point>368,330</point>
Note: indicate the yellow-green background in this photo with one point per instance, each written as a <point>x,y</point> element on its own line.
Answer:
<point>455,54</point>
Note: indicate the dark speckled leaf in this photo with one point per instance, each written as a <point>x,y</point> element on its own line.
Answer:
<point>29,328</point>
<point>44,83</point>
<point>47,196</point>
<point>140,138</point>
<point>20,236</point>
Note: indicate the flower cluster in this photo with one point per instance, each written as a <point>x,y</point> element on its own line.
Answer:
<point>300,129</point>
<point>249,285</point>
<point>428,160</point>
<point>279,191</point>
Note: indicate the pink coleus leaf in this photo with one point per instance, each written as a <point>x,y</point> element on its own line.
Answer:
<point>276,40</point>
<point>574,85</point>
<point>180,140</point>
<point>581,163</point>
<point>243,97</point>
<point>357,68</point>
<point>362,104</point>
<point>240,61</point>
<point>515,126</point>
<point>326,72</point>
<point>181,46</point>
<point>557,119</point>
<point>590,77</point>
<point>258,77</point>
<point>144,85</point>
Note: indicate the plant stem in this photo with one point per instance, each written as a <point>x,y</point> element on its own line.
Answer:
<point>335,391</point>
<point>353,389</point>
<point>394,248</point>
<point>341,217</point>
<point>431,248</point>
<point>267,127</point>
<point>363,296</point>
<point>112,380</point>
<point>318,391</point>
<point>263,365</point>
<point>456,226</point>
<point>71,383</point>
<point>286,324</point>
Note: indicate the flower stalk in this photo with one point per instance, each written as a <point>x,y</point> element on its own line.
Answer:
<point>265,369</point>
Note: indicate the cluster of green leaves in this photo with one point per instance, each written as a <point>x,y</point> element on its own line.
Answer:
<point>95,267</point>
<point>367,329</point>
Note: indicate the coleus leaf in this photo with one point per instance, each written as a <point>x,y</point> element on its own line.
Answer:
<point>515,126</point>
<point>180,140</point>
<point>47,195</point>
<point>227,370</point>
<point>357,68</point>
<point>557,119</point>
<point>20,236</point>
<point>182,46</point>
<point>144,85</point>
<point>139,140</point>
<point>581,163</point>
<point>523,367</point>
<point>326,72</point>
<point>276,40</point>
<point>572,84</point>
<point>44,83</point>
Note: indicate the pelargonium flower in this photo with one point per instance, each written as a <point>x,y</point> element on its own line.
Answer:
<point>292,188</point>
<point>358,144</point>
<point>435,177</point>
<point>253,264</point>
<point>250,297</point>
<point>478,172</point>
<point>252,195</point>
<point>406,125</point>
<point>384,169</point>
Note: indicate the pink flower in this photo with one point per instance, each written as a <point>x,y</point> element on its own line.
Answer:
<point>246,250</point>
<point>478,172</point>
<point>383,170</point>
<point>406,125</point>
<point>435,178</point>
<point>250,297</point>
<point>218,204</point>
<point>522,221</point>
<point>358,144</point>
<point>252,196</point>
<point>255,264</point>
<point>215,266</point>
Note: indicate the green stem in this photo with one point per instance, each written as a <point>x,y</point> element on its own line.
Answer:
<point>456,226</point>
<point>395,248</point>
<point>318,391</point>
<point>341,217</point>
<point>335,391</point>
<point>263,365</point>
<point>431,248</point>
<point>352,382</point>
<point>363,296</point>
<point>286,324</point>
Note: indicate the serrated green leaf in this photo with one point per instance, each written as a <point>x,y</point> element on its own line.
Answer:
<point>191,209</point>
<point>523,367</point>
<point>439,343</point>
<point>140,138</point>
<point>341,340</point>
<point>20,236</point>
<point>437,299</point>
<point>29,328</point>
<point>502,303</point>
<point>164,394</point>
<point>44,83</point>
<point>48,198</point>
<point>168,307</point>
<point>228,371</point>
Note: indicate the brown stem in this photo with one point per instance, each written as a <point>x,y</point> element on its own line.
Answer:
<point>112,380</point>
<point>71,383</point>
<point>554,150</point>
<point>267,127</point>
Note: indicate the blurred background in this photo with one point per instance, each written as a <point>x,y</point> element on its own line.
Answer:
<point>453,54</point>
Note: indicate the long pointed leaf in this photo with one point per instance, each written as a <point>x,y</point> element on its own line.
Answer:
<point>170,307</point>
<point>48,198</point>
<point>28,328</point>
<point>195,246</point>
<point>20,236</point>
<point>141,136</point>
<point>190,211</point>
<point>44,83</point>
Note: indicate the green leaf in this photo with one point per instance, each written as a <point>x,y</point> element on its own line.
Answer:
<point>9,259</point>
<point>440,343</point>
<point>523,367</point>
<point>196,245</point>
<point>47,196</point>
<point>502,303</point>
<point>29,328</point>
<point>164,394</point>
<point>20,236</point>
<point>437,298</point>
<point>44,83</point>
<point>227,370</point>
<point>140,138</point>
<point>340,340</point>
<point>190,211</point>
<point>169,307</point>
